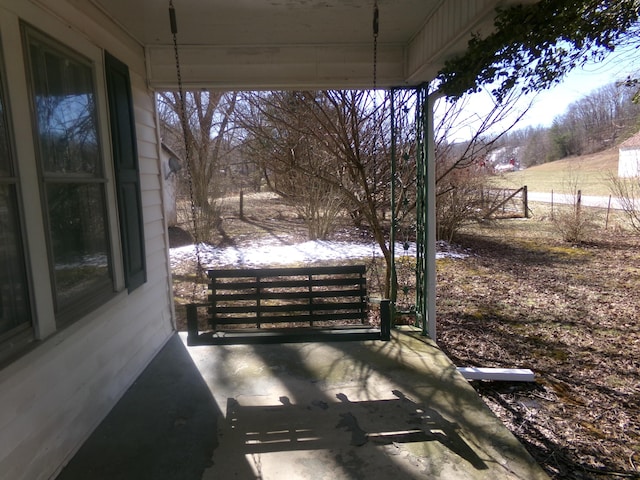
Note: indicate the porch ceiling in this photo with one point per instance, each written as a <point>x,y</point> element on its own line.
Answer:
<point>297,43</point>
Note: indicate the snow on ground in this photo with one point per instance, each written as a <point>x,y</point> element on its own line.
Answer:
<point>267,253</point>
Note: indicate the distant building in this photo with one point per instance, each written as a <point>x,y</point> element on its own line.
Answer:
<point>629,157</point>
<point>170,166</point>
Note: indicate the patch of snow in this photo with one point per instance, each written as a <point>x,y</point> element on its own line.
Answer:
<point>261,254</point>
<point>446,250</point>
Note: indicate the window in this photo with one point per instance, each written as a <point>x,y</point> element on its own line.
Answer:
<point>63,98</point>
<point>58,175</point>
<point>15,314</point>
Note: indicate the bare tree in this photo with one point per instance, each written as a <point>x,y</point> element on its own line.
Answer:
<point>202,134</point>
<point>484,129</point>
<point>536,146</point>
<point>342,140</point>
<point>337,138</point>
<point>206,139</point>
<point>462,168</point>
<point>293,162</point>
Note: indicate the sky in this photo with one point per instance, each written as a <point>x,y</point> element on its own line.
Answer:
<point>578,83</point>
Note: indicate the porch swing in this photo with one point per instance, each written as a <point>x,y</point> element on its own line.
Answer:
<point>279,305</point>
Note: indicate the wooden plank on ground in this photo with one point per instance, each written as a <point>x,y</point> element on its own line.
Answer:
<point>499,374</point>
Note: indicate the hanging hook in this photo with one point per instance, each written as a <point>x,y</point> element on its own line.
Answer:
<point>172,18</point>
<point>376,16</point>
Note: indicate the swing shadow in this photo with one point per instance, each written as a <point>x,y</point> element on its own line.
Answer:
<point>297,407</point>
<point>287,427</point>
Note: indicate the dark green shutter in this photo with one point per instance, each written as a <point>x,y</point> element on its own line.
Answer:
<point>125,158</point>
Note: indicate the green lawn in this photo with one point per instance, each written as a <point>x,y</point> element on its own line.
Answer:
<point>588,173</point>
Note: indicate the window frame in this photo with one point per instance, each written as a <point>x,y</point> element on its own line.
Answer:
<point>92,298</point>
<point>16,338</point>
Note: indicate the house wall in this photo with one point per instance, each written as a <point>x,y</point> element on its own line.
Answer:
<point>170,191</point>
<point>629,162</point>
<point>54,395</point>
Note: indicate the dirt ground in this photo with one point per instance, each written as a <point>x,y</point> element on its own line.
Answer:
<point>523,298</point>
<point>571,314</point>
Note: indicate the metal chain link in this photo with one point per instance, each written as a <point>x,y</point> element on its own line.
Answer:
<point>185,126</point>
<point>374,190</point>
<point>376,16</point>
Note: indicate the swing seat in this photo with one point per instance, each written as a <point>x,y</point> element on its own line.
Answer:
<point>285,305</point>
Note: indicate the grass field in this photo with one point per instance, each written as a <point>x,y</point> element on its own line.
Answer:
<point>588,173</point>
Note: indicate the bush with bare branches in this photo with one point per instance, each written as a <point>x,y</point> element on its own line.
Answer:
<point>627,191</point>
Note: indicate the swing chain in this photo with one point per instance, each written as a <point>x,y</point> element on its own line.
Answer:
<point>376,16</point>
<point>185,135</point>
<point>374,153</point>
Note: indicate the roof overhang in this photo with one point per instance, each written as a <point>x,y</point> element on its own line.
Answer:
<point>276,44</point>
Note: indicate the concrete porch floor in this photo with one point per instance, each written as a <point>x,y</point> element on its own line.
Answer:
<point>351,410</point>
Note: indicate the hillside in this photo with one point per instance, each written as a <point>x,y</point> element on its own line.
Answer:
<point>588,173</point>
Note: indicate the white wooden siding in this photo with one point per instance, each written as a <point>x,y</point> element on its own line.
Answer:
<point>54,396</point>
<point>629,162</point>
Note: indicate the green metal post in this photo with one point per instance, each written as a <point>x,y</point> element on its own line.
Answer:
<point>393,294</point>
<point>192,324</point>
<point>429,327</point>
<point>386,311</point>
<point>421,298</point>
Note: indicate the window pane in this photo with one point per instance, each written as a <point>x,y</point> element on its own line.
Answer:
<point>79,240</point>
<point>14,302</point>
<point>65,109</point>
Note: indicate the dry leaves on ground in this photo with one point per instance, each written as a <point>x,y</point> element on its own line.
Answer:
<point>570,313</point>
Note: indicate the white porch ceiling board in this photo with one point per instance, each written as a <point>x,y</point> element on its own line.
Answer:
<point>445,34</point>
<point>268,22</point>
<point>302,67</point>
<point>296,43</point>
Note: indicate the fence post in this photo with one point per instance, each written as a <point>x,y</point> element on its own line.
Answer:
<point>579,202</point>
<point>525,201</point>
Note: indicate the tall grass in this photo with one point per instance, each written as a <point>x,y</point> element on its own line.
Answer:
<point>591,173</point>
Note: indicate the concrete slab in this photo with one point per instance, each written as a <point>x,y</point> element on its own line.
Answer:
<point>353,410</point>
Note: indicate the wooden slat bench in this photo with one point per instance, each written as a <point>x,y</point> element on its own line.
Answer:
<point>280,305</point>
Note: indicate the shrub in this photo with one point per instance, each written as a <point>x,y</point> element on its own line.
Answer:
<point>574,223</point>
<point>460,200</point>
<point>627,191</point>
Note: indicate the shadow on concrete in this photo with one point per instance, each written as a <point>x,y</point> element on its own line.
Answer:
<point>353,404</point>
<point>290,427</point>
<point>305,411</point>
<point>164,427</point>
